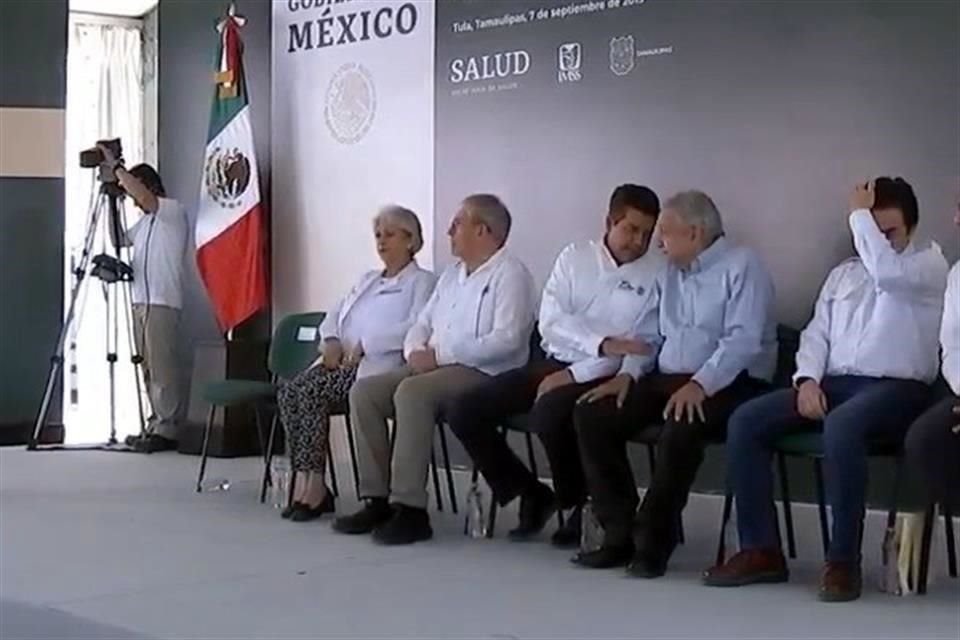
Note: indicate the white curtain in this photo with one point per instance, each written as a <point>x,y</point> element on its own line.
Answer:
<point>105,75</point>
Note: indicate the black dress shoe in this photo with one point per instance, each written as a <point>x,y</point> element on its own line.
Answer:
<point>537,505</point>
<point>604,557</point>
<point>568,536</point>
<point>306,513</point>
<point>374,513</point>
<point>289,509</point>
<point>408,525</point>
<point>153,443</point>
<point>648,564</point>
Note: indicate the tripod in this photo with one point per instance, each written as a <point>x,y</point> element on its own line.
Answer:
<point>115,275</point>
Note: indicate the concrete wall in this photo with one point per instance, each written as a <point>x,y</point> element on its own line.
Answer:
<point>33,60</point>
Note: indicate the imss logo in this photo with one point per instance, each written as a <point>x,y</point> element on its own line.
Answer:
<point>569,59</point>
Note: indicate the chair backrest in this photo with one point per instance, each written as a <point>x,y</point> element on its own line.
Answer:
<point>788,343</point>
<point>294,344</point>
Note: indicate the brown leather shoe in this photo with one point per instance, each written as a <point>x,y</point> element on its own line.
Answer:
<point>749,567</point>
<point>841,582</point>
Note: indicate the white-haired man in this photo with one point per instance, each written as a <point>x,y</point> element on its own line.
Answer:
<point>476,324</point>
<point>717,345</point>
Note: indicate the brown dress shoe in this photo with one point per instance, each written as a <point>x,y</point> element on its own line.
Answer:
<point>749,567</point>
<point>841,582</point>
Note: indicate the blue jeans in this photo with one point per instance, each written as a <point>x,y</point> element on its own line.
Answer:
<point>861,410</point>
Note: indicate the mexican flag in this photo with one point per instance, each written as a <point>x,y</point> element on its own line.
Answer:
<point>230,233</point>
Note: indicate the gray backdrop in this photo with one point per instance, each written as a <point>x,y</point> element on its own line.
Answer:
<point>774,108</point>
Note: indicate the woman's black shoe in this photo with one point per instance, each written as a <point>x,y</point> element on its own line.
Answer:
<point>305,513</point>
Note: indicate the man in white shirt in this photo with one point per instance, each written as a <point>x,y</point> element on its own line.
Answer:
<point>864,367</point>
<point>713,343</point>
<point>476,324</point>
<point>589,304</point>
<point>933,442</point>
<point>159,240</point>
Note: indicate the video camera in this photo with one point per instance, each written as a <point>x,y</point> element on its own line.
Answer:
<point>93,157</point>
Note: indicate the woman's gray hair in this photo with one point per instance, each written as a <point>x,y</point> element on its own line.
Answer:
<point>404,219</point>
<point>698,209</point>
<point>490,211</point>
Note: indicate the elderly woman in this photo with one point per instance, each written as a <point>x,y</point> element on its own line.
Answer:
<point>362,336</point>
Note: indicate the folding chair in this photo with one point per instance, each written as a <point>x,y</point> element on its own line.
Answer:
<point>292,349</point>
<point>810,445</point>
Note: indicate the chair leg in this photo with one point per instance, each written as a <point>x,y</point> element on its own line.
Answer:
<point>267,477</point>
<point>353,453</point>
<point>929,517</point>
<point>332,467</point>
<point>445,452</point>
<point>893,508</point>
<point>436,479</point>
<point>293,486</point>
<point>492,518</point>
<point>822,506</point>
<point>474,479</point>
<point>203,449</point>
<point>951,542</point>
<point>787,505</point>
<point>722,542</point>
<point>531,454</point>
<point>259,423</point>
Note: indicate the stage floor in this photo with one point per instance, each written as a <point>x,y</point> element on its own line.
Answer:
<point>111,545</point>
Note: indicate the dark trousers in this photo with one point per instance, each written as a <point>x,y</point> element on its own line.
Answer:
<point>603,432</point>
<point>861,410</point>
<point>475,415</point>
<point>933,451</point>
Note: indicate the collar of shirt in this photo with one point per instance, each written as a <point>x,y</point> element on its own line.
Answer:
<point>607,261</point>
<point>709,256</point>
<point>491,262</point>
<point>400,275</point>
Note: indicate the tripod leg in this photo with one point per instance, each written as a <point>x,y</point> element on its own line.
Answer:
<point>113,335</point>
<point>56,361</point>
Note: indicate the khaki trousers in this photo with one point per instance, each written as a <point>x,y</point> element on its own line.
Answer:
<point>156,336</point>
<point>415,402</point>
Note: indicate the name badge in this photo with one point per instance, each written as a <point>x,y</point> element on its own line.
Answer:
<point>389,291</point>
<point>624,285</point>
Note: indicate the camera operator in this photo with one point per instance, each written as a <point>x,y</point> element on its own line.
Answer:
<point>159,241</point>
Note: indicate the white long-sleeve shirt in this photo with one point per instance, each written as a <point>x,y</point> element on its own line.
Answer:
<point>950,330</point>
<point>482,319</point>
<point>587,298</point>
<point>377,313</point>
<point>877,314</point>
<point>715,319</point>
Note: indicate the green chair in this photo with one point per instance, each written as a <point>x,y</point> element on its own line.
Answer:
<point>293,347</point>
<point>810,445</point>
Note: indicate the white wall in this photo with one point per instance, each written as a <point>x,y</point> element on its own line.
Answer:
<point>326,190</point>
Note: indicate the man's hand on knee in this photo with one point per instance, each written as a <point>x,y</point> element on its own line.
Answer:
<point>617,387</point>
